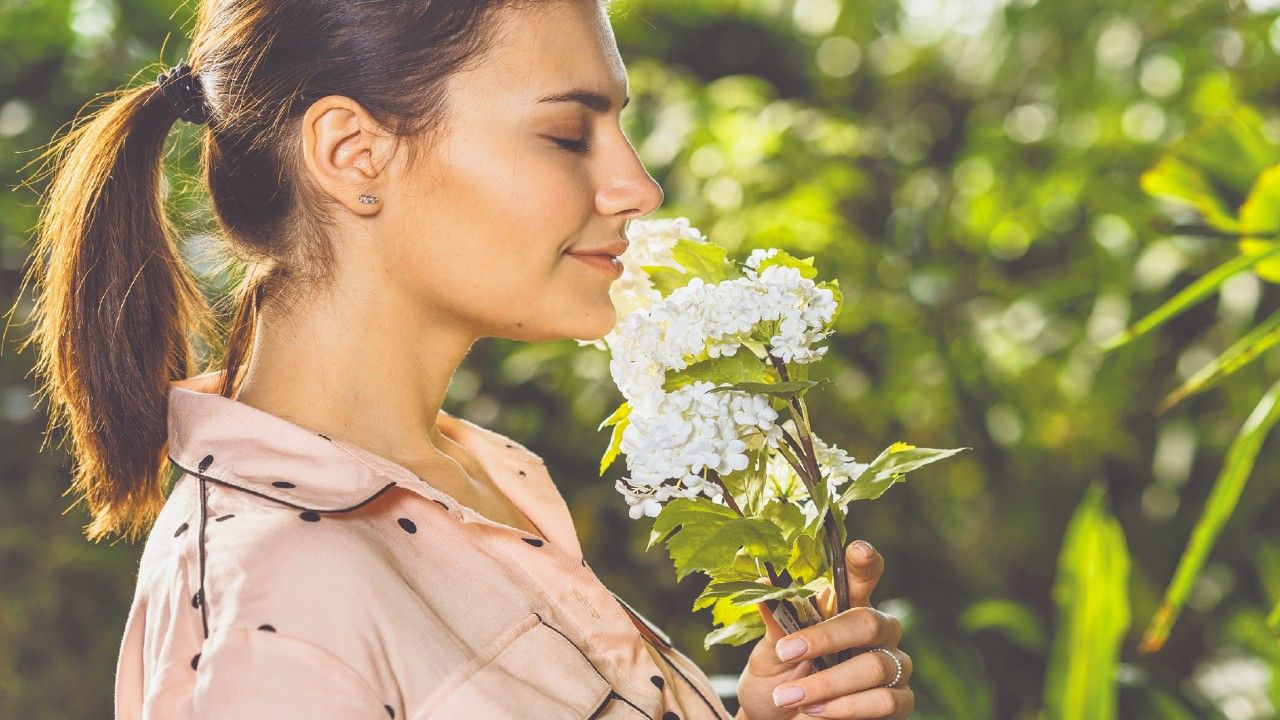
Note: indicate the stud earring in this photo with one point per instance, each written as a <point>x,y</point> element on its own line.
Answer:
<point>368,199</point>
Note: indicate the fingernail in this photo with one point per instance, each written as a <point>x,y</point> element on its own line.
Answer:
<point>791,648</point>
<point>865,548</point>
<point>813,709</point>
<point>787,694</point>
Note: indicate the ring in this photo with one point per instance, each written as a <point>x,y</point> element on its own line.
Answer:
<point>896,678</point>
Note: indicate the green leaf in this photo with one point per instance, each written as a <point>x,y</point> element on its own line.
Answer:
<point>788,389</point>
<point>666,279</point>
<point>888,469</point>
<point>1092,597</point>
<point>1241,353</point>
<point>742,366</point>
<point>1230,483</point>
<point>619,420</point>
<point>1009,618</point>
<point>741,631</point>
<point>809,555</point>
<point>786,515</point>
<point>761,592</point>
<point>704,259</point>
<point>711,535</point>
<point>1231,148</point>
<point>1173,179</point>
<point>1260,221</point>
<point>785,259</point>
<point>1190,295</point>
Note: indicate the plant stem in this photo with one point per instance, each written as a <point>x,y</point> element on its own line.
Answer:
<point>774,578</point>
<point>835,553</point>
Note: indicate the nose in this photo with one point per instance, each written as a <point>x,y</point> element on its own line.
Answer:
<point>631,191</point>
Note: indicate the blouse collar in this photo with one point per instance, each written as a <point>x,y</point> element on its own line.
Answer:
<point>237,445</point>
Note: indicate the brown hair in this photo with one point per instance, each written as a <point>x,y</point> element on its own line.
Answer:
<point>117,309</point>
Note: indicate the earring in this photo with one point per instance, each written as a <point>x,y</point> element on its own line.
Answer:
<point>368,199</point>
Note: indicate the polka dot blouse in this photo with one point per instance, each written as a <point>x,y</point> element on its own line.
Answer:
<point>291,575</point>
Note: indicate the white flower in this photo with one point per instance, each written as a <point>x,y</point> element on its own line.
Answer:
<point>672,438</point>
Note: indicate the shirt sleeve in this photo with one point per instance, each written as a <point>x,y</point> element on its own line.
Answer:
<point>258,674</point>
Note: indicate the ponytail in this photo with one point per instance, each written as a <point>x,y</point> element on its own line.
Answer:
<point>113,308</point>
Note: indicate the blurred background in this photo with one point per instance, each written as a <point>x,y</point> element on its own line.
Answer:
<point>1001,187</point>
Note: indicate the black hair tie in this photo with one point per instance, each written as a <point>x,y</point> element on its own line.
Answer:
<point>184,93</point>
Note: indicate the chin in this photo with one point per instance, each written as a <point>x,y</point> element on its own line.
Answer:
<point>593,330</point>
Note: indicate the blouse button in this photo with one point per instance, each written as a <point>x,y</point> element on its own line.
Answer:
<point>390,711</point>
<point>309,515</point>
<point>195,661</point>
<point>657,680</point>
<point>408,525</point>
<point>205,463</point>
<point>283,484</point>
<point>181,529</point>
<point>268,628</point>
<point>670,716</point>
<point>533,541</point>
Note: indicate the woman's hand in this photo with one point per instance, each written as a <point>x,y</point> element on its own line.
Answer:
<point>847,690</point>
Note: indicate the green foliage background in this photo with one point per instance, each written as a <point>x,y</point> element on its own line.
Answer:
<point>970,172</point>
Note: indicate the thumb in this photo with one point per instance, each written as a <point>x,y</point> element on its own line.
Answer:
<point>763,661</point>
<point>773,632</point>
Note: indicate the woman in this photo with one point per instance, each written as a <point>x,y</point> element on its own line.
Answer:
<point>400,180</point>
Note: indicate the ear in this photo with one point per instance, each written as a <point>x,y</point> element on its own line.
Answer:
<point>344,150</point>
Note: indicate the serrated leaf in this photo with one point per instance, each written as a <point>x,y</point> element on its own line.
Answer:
<point>742,366</point>
<point>619,420</point>
<point>785,259</point>
<point>703,259</point>
<point>762,592</point>
<point>808,556</point>
<point>666,279</point>
<point>711,535</point>
<point>889,467</point>
<point>788,389</point>
<point>787,516</point>
<point>740,632</point>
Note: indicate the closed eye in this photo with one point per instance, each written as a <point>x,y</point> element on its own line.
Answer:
<point>577,146</point>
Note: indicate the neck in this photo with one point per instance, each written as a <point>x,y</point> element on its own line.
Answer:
<point>354,364</point>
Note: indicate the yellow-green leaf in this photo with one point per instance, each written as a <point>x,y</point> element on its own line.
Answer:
<point>1230,483</point>
<point>1091,592</point>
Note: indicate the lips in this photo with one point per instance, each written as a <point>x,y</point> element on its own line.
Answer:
<point>613,249</point>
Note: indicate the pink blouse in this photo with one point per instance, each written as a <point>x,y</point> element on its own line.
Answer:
<point>291,575</point>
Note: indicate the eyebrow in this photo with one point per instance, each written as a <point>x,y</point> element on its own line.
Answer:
<point>591,99</point>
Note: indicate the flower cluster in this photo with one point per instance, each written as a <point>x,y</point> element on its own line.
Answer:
<point>677,435</point>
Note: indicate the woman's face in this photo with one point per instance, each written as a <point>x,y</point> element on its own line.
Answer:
<point>480,235</point>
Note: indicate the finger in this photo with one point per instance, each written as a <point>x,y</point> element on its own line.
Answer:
<point>864,571</point>
<point>856,627</point>
<point>763,660</point>
<point>862,672</point>
<point>879,703</point>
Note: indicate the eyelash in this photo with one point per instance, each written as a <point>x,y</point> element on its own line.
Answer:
<point>576,146</point>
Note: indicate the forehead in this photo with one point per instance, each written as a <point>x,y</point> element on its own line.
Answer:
<point>546,47</point>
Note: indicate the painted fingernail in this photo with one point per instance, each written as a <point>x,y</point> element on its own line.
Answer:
<point>865,548</point>
<point>813,709</point>
<point>791,648</point>
<point>787,694</point>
